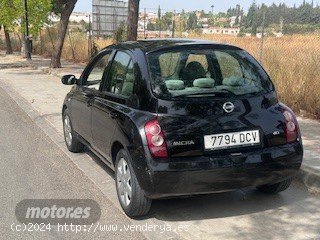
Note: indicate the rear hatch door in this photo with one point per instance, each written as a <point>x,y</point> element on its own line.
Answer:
<point>201,126</point>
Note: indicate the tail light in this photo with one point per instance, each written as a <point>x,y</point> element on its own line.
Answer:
<point>291,125</point>
<point>155,139</point>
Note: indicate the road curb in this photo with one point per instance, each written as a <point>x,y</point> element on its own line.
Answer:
<point>15,66</point>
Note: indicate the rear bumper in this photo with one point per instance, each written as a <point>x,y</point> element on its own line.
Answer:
<point>208,174</point>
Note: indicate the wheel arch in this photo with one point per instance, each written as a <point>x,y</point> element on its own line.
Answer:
<point>116,147</point>
<point>64,107</point>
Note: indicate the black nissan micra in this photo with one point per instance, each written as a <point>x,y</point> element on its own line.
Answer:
<point>181,117</point>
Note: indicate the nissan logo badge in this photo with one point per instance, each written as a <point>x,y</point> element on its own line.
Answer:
<point>228,107</point>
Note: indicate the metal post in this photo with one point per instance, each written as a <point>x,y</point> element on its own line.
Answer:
<point>89,39</point>
<point>27,37</point>
<point>160,23</point>
<point>144,23</point>
<point>173,23</point>
<point>262,36</point>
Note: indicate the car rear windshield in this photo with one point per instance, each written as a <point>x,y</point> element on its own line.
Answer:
<point>206,72</point>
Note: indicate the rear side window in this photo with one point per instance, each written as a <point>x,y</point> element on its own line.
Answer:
<point>198,72</point>
<point>122,75</point>
<point>169,63</point>
<point>229,66</point>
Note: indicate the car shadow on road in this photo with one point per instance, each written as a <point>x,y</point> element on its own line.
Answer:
<point>99,162</point>
<point>247,203</point>
<point>220,205</point>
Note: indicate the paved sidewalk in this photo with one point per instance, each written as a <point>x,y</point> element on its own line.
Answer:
<point>46,93</point>
<point>243,214</point>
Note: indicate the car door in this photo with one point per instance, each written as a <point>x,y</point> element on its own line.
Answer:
<point>85,95</point>
<point>116,90</point>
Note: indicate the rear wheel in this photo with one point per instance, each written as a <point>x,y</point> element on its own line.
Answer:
<point>71,139</point>
<point>275,188</point>
<point>131,196</point>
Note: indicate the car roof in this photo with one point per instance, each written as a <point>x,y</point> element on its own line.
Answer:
<point>153,45</point>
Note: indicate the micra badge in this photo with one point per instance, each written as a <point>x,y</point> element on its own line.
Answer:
<point>183,143</point>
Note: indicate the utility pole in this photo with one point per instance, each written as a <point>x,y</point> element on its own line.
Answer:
<point>281,24</point>
<point>144,23</point>
<point>28,42</point>
<point>262,35</point>
<point>173,23</point>
<point>212,7</point>
<point>160,22</point>
<point>89,39</point>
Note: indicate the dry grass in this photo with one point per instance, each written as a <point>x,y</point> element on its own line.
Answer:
<point>76,46</point>
<point>293,63</point>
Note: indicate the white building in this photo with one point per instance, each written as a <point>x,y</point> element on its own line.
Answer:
<point>78,17</point>
<point>234,19</point>
<point>74,17</point>
<point>226,31</point>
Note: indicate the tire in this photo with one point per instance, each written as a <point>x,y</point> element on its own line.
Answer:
<point>135,204</point>
<point>70,136</point>
<point>275,188</point>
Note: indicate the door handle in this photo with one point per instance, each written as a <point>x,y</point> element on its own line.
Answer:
<point>113,115</point>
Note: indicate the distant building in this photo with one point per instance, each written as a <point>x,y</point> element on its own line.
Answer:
<point>226,31</point>
<point>152,17</point>
<point>223,20</point>
<point>107,16</point>
<point>233,20</point>
<point>78,17</point>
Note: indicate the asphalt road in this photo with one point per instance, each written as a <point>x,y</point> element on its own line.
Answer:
<point>33,167</point>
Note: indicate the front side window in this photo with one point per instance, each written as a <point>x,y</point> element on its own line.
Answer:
<point>192,72</point>
<point>97,72</point>
<point>122,75</point>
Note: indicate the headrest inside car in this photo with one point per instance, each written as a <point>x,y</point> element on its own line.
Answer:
<point>204,83</point>
<point>175,85</point>
<point>234,81</point>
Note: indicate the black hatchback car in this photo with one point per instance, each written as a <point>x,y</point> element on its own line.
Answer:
<point>181,117</point>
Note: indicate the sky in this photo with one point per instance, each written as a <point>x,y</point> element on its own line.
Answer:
<point>220,6</point>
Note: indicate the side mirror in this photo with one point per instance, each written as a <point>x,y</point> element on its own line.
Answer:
<point>69,80</point>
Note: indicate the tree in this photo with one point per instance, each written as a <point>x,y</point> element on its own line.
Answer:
<point>38,12</point>
<point>133,17</point>
<point>119,34</point>
<point>9,12</point>
<point>251,13</point>
<point>65,7</point>
<point>192,21</point>
<point>8,41</point>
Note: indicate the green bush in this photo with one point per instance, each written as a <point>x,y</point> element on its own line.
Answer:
<point>120,35</point>
<point>300,28</point>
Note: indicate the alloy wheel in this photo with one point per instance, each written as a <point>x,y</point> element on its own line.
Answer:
<point>124,182</point>
<point>67,130</point>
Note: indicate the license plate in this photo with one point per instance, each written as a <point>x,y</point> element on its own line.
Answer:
<point>228,140</point>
